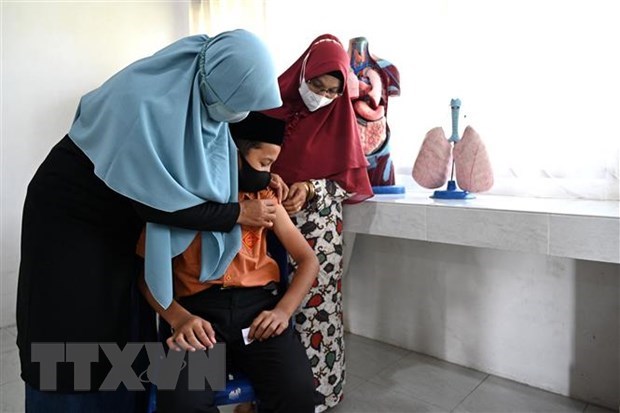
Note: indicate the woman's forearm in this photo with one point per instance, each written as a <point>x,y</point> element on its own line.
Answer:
<point>209,216</point>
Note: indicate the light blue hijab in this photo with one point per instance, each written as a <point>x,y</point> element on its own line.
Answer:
<point>150,137</point>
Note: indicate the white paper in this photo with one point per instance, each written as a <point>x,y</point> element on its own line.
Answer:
<point>245,333</point>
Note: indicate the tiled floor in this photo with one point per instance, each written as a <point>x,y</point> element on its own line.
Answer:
<point>380,379</point>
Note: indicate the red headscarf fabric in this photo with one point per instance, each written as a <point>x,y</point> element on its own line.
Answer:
<point>324,143</point>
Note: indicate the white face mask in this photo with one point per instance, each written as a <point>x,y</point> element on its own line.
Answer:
<point>219,112</point>
<point>312,100</point>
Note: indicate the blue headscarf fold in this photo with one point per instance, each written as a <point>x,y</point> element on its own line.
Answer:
<point>149,135</point>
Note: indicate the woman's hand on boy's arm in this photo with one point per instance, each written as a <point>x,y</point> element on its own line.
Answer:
<point>257,212</point>
<point>279,187</point>
<point>297,197</point>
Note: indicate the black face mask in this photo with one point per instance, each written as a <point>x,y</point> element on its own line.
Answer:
<point>250,179</point>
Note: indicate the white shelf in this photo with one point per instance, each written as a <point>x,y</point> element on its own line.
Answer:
<point>572,228</point>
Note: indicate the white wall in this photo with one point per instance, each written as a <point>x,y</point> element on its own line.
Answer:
<point>52,54</point>
<point>553,323</point>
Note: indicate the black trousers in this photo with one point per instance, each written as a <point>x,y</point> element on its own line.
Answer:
<point>278,367</point>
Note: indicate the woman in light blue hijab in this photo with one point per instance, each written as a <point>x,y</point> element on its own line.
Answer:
<point>156,133</point>
<point>149,145</point>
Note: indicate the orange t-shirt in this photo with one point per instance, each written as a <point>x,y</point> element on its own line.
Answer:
<point>251,267</point>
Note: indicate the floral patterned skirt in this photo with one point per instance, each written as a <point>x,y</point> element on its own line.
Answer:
<point>319,320</point>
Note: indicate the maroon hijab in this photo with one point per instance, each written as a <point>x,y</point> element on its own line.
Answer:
<point>324,143</point>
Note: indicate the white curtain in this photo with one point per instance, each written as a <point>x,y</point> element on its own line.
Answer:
<point>538,79</point>
<point>215,16</point>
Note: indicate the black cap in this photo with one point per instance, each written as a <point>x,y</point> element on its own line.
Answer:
<point>259,128</point>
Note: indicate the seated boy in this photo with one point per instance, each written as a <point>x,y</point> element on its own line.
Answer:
<point>217,311</point>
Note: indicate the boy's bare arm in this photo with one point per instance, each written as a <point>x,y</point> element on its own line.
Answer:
<point>271,323</point>
<point>307,263</point>
<point>174,315</point>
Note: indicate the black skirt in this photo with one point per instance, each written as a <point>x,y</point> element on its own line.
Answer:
<point>78,270</point>
<point>78,263</point>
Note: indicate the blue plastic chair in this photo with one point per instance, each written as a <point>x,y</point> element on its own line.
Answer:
<point>238,390</point>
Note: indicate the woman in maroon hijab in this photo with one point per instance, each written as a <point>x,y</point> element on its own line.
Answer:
<point>323,163</point>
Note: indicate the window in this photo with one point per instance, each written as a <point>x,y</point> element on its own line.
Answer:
<point>537,79</point>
